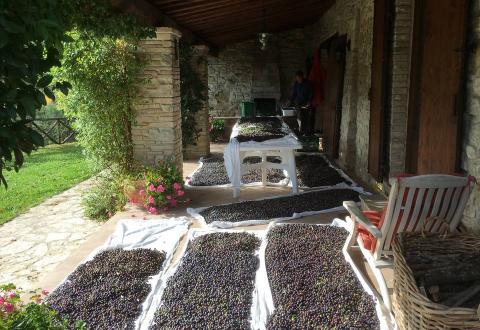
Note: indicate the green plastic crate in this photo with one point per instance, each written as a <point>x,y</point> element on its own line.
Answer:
<point>247,109</point>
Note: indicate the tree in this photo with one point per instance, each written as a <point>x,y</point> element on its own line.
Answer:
<point>32,37</point>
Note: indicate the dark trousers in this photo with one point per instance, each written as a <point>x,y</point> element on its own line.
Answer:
<point>307,120</point>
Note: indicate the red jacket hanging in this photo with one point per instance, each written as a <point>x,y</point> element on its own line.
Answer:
<point>317,77</point>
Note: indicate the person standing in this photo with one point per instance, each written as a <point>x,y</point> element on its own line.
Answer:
<point>301,98</point>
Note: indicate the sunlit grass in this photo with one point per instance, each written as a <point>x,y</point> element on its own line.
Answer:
<point>45,173</point>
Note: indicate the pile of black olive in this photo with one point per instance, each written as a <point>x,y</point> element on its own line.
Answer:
<point>213,172</point>
<point>108,291</point>
<point>260,129</point>
<point>314,171</point>
<point>279,207</point>
<point>213,286</point>
<point>312,285</point>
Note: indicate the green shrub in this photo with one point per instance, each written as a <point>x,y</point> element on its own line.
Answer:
<point>217,129</point>
<point>163,187</point>
<point>106,198</point>
<point>32,316</point>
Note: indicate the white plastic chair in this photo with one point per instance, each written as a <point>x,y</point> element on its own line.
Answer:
<point>411,202</point>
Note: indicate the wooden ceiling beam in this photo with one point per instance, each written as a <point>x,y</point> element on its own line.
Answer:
<point>253,11</point>
<point>203,6</point>
<point>231,8</point>
<point>256,24</point>
<point>246,20</point>
<point>150,15</point>
<point>236,35</point>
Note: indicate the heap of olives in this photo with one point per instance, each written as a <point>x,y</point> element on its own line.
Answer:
<point>280,207</point>
<point>213,285</point>
<point>312,285</point>
<point>108,291</point>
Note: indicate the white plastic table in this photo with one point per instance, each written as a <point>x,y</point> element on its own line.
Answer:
<point>284,148</point>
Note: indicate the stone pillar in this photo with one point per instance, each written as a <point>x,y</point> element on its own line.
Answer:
<point>199,63</point>
<point>157,132</point>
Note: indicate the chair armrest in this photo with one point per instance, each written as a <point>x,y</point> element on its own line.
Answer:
<point>359,217</point>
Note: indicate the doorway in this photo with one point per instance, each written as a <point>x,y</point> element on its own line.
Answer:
<point>335,48</point>
<point>437,85</point>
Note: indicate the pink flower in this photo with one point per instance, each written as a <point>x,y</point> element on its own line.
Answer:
<point>173,202</point>
<point>151,187</point>
<point>189,181</point>
<point>110,214</point>
<point>12,294</point>
<point>142,192</point>
<point>180,193</point>
<point>45,292</point>
<point>160,188</point>
<point>2,301</point>
<point>151,200</point>
<point>169,197</point>
<point>159,180</point>
<point>9,308</point>
<point>152,210</point>
<point>177,186</point>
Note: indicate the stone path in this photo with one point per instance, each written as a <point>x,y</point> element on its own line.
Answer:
<point>34,243</point>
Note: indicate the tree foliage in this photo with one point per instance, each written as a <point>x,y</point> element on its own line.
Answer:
<point>32,36</point>
<point>192,92</point>
<point>104,74</point>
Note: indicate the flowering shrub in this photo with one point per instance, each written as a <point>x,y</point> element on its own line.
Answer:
<point>14,314</point>
<point>217,129</point>
<point>163,187</point>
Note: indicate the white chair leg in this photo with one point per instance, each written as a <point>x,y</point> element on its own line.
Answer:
<point>264,169</point>
<point>350,245</point>
<point>383,286</point>
<point>292,170</point>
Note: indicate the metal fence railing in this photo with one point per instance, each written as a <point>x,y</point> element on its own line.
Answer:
<point>55,130</point>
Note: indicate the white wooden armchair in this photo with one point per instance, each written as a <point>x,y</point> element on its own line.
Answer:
<point>411,202</point>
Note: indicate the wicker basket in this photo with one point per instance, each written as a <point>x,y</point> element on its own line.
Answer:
<point>415,311</point>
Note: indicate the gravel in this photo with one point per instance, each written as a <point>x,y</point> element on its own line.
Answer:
<point>260,129</point>
<point>108,291</point>
<point>213,286</point>
<point>312,285</point>
<point>312,171</point>
<point>267,209</point>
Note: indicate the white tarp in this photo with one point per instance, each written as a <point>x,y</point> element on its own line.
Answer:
<point>163,235</point>
<point>195,212</point>
<point>256,308</point>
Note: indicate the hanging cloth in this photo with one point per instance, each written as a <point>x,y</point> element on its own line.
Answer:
<point>317,77</point>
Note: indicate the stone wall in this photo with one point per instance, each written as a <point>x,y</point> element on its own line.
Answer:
<point>157,132</point>
<point>471,125</point>
<point>401,47</point>
<point>202,147</point>
<point>355,19</point>
<point>242,71</point>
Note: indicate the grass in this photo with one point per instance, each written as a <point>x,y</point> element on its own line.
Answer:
<point>45,173</point>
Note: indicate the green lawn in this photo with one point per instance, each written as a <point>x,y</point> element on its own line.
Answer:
<point>45,173</point>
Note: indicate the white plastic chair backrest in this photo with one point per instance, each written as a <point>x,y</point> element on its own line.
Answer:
<point>414,199</point>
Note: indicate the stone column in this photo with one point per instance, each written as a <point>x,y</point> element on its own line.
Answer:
<point>199,63</point>
<point>157,132</point>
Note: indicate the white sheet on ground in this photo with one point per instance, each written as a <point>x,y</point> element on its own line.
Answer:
<point>195,212</point>
<point>163,235</point>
